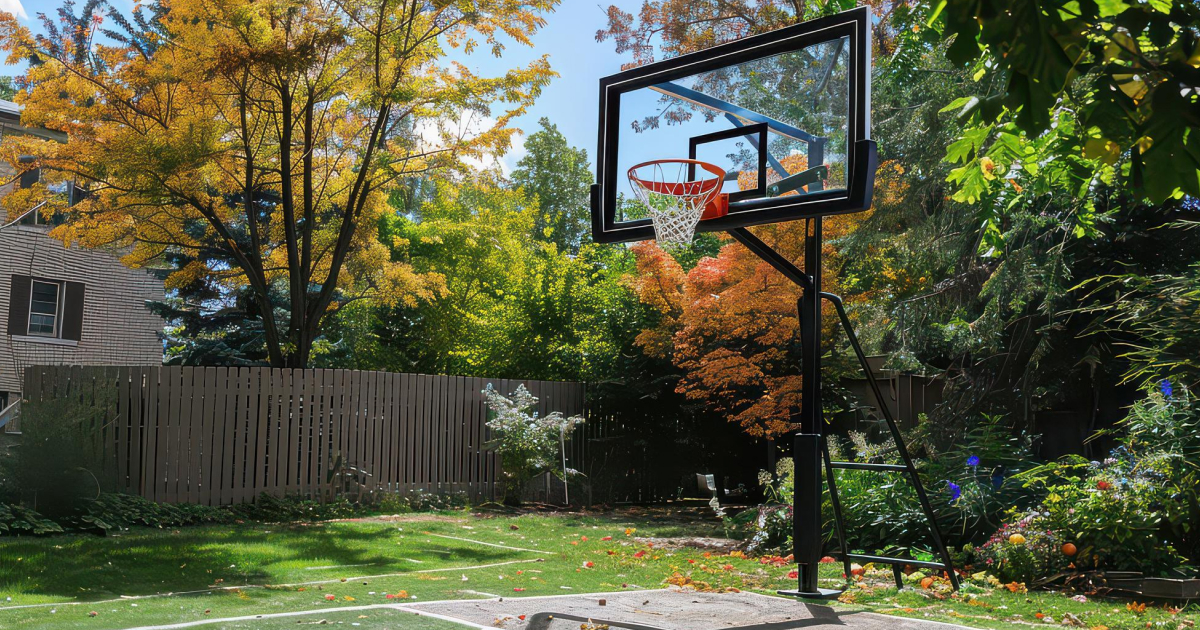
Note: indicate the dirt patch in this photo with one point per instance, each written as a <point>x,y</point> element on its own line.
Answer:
<point>715,545</point>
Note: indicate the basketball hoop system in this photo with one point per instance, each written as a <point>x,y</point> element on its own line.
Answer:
<point>801,92</point>
<point>676,199</point>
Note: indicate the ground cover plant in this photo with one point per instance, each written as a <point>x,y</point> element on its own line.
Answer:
<point>346,571</point>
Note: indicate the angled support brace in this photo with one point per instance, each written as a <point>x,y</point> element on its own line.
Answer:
<point>934,530</point>
<point>710,102</point>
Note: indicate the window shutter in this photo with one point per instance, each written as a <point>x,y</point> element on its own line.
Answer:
<point>29,178</point>
<point>72,312</point>
<point>18,305</point>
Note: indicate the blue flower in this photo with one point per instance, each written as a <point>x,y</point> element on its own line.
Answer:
<point>1165,387</point>
<point>973,460</point>
<point>955,491</point>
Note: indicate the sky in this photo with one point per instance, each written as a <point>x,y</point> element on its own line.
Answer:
<point>571,101</point>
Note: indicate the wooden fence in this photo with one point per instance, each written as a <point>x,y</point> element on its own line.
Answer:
<point>215,435</point>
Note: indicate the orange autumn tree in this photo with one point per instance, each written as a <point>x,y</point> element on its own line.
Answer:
<point>730,323</point>
<point>259,139</point>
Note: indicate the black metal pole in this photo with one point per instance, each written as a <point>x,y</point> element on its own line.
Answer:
<point>807,506</point>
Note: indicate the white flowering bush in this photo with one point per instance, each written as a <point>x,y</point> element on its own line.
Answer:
<point>528,443</point>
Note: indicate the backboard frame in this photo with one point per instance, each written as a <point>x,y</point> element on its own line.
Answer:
<point>855,25</point>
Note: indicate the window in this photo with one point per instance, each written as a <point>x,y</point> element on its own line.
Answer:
<point>43,309</point>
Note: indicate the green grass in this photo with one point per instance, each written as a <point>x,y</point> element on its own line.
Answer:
<point>253,569</point>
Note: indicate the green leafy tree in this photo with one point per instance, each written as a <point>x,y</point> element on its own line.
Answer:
<point>1097,83</point>
<point>508,292</point>
<point>8,89</point>
<point>558,175</point>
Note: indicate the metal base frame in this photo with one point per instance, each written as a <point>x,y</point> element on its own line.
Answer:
<point>820,593</point>
<point>811,449</point>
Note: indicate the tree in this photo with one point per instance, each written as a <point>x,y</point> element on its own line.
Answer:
<point>261,139</point>
<point>8,89</point>
<point>508,292</point>
<point>558,175</point>
<point>1123,71</point>
<point>731,325</point>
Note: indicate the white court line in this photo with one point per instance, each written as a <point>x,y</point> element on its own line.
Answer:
<point>303,613</point>
<point>410,608</point>
<point>125,598</point>
<point>486,544</point>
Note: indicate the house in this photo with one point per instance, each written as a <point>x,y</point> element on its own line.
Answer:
<point>64,306</point>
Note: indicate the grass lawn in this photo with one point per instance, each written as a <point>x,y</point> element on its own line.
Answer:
<point>339,568</point>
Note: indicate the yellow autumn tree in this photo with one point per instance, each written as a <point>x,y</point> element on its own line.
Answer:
<point>259,139</point>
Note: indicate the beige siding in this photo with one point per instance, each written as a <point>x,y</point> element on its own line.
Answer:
<point>118,329</point>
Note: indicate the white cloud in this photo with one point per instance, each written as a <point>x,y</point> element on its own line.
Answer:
<point>14,7</point>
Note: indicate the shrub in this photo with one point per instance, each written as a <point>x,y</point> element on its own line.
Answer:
<point>1137,509</point>
<point>58,463</point>
<point>528,443</point>
<point>1024,551</point>
<point>768,527</point>
<point>15,519</point>
<point>972,485</point>
<point>112,512</point>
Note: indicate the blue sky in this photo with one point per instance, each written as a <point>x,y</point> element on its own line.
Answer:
<point>572,99</point>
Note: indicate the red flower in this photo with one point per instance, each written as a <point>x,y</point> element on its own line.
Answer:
<point>1103,485</point>
<point>518,590</point>
<point>606,538</point>
<point>588,564</point>
<point>828,560</point>
<point>639,554</point>
<point>793,574</point>
<point>690,561</point>
<point>330,598</point>
<point>728,567</point>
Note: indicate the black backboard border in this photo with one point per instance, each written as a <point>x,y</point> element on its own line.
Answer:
<point>861,159</point>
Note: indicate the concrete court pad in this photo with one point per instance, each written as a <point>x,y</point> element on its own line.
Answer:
<point>666,610</point>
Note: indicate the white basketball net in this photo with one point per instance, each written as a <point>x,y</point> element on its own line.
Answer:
<point>674,201</point>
